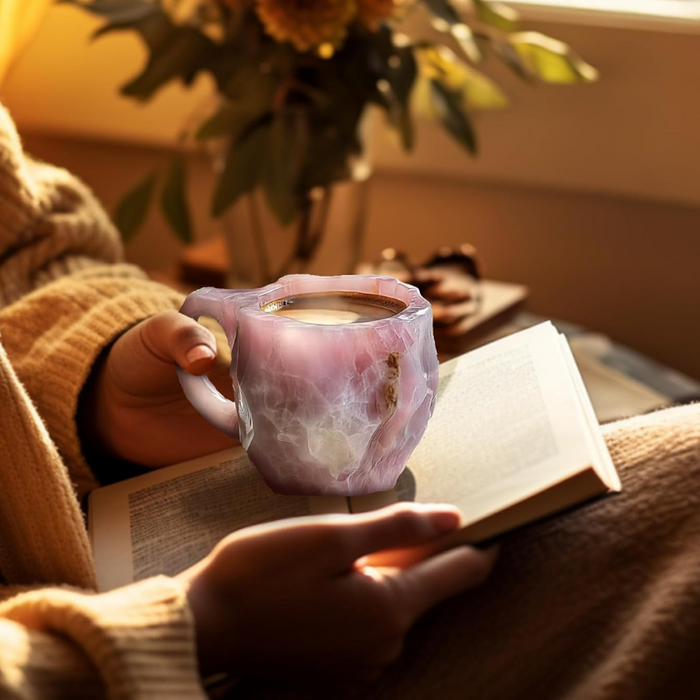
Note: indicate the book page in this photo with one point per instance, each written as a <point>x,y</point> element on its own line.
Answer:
<point>604,464</point>
<point>507,424</point>
<point>165,521</point>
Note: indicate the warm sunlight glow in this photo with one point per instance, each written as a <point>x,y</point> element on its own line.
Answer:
<point>674,9</point>
<point>65,83</point>
<point>19,20</point>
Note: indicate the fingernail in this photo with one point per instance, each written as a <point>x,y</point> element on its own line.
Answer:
<point>445,521</point>
<point>200,352</point>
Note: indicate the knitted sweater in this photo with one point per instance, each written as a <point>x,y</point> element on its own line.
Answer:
<point>64,296</point>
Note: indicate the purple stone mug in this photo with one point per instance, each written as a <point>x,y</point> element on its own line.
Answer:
<point>322,409</point>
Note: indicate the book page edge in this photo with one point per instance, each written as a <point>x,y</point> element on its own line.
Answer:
<point>607,466</point>
<point>573,491</point>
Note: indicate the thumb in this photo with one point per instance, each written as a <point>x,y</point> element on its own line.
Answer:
<point>331,544</point>
<point>173,337</point>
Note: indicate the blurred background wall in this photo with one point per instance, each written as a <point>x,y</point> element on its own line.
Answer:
<point>589,195</point>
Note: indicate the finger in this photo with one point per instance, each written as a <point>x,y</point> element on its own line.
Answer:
<point>399,526</point>
<point>443,576</point>
<point>404,557</point>
<point>330,544</point>
<point>175,338</point>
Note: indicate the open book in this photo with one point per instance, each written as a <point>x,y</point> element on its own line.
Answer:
<point>513,439</point>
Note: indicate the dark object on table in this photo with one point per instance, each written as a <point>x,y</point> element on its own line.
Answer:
<point>449,280</point>
<point>466,308</point>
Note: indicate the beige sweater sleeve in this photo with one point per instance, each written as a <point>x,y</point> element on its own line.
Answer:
<point>136,642</point>
<point>64,294</point>
<point>28,655</point>
<point>53,336</point>
<point>58,643</point>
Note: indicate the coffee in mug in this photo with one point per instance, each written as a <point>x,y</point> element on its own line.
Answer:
<point>335,308</point>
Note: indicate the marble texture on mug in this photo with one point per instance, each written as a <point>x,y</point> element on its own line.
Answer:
<point>350,403</point>
<point>329,409</point>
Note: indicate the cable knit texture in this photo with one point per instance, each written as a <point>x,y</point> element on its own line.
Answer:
<point>159,665</point>
<point>65,294</point>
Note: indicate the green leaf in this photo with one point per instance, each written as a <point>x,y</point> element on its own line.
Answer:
<point>477,90</point>
<point>402,74</point>
<point>423,98</point>
<point>117,11</point>
<point>131,211</point>
<point>173,201</point>
<point>512,59</point>
<point>243,168</point>
<point>222,123</point>
<point>181,56</point>
<point>551,60</point>
<point>497,15</point>
<point>467,42</point>
<point>249,96</point>
<point>481,93</point>
<point>402,70</point>
<point>448,105</point>
<point>393,73</point>
<point>350,81</point>
<point>286,156</point>
<point>329,157</point>
<point>174,52</point>
<point>444,10</point>
<point>228,121</point>
<point>406,129</point>
<point>448,20</point>
<point>247,84</point>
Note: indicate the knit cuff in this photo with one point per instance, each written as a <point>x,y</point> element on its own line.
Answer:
<point>40,665</point>
<point>140,638</point>
<point>75,356</point>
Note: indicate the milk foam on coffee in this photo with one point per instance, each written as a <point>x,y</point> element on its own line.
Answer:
<point>335,308</point>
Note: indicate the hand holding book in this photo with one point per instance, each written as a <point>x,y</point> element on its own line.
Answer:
<point>295,595</point>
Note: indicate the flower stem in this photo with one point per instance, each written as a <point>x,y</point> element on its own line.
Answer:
<point>299,256</point>
<point>259,240</point>
<point>323,220</point>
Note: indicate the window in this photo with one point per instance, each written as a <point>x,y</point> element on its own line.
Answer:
<point>658,13</point>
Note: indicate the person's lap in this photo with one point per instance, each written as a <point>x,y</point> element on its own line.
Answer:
<point>601,602</point>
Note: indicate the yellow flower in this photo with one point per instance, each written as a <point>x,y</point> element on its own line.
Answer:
<point>373,12</point>
<point>306,24</point>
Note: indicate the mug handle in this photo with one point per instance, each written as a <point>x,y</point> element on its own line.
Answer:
<point>202,394</point>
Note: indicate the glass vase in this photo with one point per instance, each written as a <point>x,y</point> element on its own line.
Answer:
<point>325,239</point>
